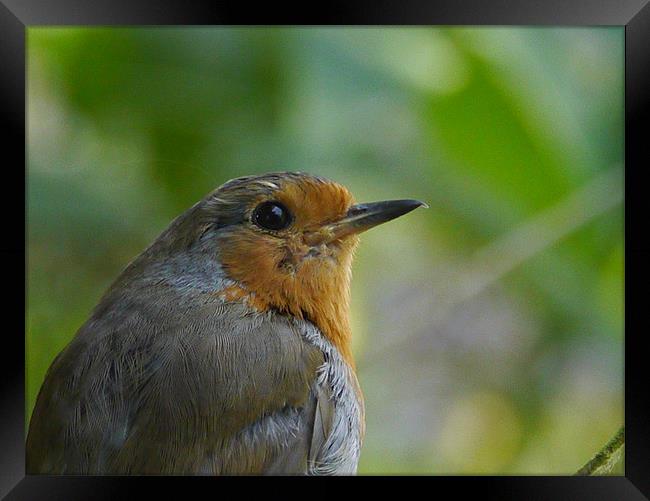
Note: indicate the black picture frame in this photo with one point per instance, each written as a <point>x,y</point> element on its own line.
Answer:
<point>634,15</point>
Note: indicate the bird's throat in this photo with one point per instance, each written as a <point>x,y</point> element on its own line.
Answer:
<point>318,291</point>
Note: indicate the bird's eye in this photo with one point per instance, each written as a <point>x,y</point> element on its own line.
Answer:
<point>271,216</point>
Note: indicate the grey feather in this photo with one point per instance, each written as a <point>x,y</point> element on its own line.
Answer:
<point>167,378</point>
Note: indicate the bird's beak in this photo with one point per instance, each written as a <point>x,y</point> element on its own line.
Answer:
<point>362,217</point>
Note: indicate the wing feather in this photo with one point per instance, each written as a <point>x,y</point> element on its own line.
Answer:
<point>211,390</point>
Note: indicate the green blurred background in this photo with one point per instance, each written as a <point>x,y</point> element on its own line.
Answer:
<point>488,329</point>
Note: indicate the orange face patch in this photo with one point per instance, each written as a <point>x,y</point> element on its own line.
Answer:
<point>314,202</point>
<point>281,271</point>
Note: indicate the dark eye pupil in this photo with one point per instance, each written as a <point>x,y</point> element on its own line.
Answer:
<point>272,216</point>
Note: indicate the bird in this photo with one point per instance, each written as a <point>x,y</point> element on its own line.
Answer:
<point>224,348</point>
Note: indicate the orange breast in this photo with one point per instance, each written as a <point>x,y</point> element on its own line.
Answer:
<point>282,272</point>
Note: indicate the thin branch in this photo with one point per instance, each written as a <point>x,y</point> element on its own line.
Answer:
<point>607,457</point>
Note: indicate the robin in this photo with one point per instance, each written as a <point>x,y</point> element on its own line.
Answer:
<point>224,348</point>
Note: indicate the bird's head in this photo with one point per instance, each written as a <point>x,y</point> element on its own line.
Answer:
<point>286,240</point>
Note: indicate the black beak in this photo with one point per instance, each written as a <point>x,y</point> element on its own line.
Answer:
<point>362,217</point>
